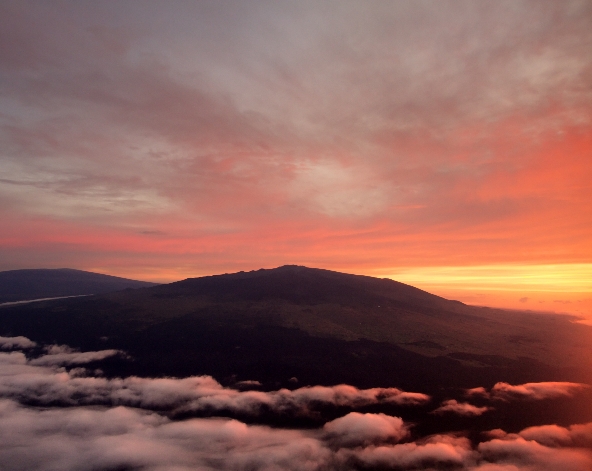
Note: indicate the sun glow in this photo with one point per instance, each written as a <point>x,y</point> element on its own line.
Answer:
<point>557,278</point>
<point>565,288</point>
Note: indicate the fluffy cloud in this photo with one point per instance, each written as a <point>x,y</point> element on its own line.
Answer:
<point>357,429</point>
<point>436,451</point>
<point>531,455</point>
<point>477,392</point>
<point>85,439</point>
<point>579,435</point>
<point>460,408</point>
<point>544,390</point>
<point>73,358</point>
<point>118,432</point>
<point>123,438</point>
<point>10,343</point>
<point>42,381</point>
<point>534,391</point>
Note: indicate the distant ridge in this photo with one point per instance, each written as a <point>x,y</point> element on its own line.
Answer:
<point>29,284</point>
<point>320,326</point>
<point>304,285</point>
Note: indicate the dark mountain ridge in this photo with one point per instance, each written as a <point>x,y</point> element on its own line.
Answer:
<point>320,326</point>
<point>303,285</point>
<point>28,284</point>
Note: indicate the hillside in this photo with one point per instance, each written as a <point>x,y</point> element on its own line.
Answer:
<point>20,285</point>
<point>320,326</point>
<point>329,304</point>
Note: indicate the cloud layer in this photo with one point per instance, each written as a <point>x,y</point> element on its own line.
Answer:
<point>81,438</point>
<point>119,424</point>
<point>41,381</point>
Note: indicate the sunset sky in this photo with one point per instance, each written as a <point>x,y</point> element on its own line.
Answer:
<point>447,145</point>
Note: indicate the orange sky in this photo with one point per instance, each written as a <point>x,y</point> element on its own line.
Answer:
<point>444,144</point>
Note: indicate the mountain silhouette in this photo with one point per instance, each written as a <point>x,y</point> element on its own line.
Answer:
<point>319,326</point>
<point>21,285</point>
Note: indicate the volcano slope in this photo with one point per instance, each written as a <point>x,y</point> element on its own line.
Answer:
<point>22,285</point>
<point>319,326</point>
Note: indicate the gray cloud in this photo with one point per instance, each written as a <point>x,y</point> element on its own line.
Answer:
<point>97,93</point>
<point>10,343</point>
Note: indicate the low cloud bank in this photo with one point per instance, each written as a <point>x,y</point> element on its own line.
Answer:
<point>44,381</point>
<point>107,426</point>
<point>534,391</point>
<point>85,439</point>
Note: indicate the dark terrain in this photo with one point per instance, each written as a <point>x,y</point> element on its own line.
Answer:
<point>22,285</point>
<point>323,328</point>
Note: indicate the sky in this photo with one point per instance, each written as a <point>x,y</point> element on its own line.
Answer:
<point>444,144</point>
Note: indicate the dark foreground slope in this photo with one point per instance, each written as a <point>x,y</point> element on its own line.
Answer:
<point>20,285</point>
<point>319,326</point>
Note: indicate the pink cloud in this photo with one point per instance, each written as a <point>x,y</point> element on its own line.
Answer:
<point>534,391</point>
<point>460,408</point>
<point>355,429</point>
<point>579,435</point>
<point>434,451</point>
<point>537,391</point>
<point>531,455</point>
<point>477,392</point>
<point>115,436</point>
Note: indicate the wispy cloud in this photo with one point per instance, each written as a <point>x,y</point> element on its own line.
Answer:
<point>18,343</point>
<point>460,408</point>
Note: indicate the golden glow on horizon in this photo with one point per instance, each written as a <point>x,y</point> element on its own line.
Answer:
<point>576,277</point>
<point>557,288</point>
<point>560,288</point>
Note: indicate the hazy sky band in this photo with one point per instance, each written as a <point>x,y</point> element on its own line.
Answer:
<point>164,141</point>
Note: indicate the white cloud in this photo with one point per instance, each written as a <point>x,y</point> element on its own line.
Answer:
<point>116,436</point>
<point>357,429</point>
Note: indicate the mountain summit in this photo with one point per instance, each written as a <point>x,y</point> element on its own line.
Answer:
<point>320,326</point>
